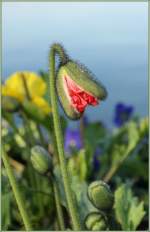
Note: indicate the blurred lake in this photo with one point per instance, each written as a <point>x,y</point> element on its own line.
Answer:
<point>111,39</point>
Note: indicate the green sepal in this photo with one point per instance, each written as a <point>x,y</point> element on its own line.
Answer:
<point>96,221</point>
<point>82,77</point>
<point>41,160</point>
<point>100,195</point>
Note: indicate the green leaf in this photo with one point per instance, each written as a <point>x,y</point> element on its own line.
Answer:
<point>117,153</point>
<point>6,206</point>
<point>79,189</point>
<point>77,165</point>
<point>135,167</point>
<point>98,130</point>
<point>136,214</point>
<point>58,179</point>
<point>144,126</point>
<point>84,205</point>
<point>129,212</point>
<point>133,135</point>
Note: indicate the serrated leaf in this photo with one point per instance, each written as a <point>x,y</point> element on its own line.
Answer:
<point>129,212</point>
<point>121,206</point>
<point>79,190</point>
<point>83,202</point>
<point>117,153</point>
<point>136,214</point>
<point>133,135</point>
<point>77,165</point>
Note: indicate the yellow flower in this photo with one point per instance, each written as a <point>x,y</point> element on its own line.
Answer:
<point>42,104</point>
<point>14,85</point>
<point>21,84</point>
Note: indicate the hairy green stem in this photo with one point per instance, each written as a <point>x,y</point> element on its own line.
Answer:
<point>58,207</point>
<point>23,137</point>
<point>18,196</point>
<point>57,49</point>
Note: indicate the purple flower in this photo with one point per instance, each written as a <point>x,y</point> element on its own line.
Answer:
<point>122,114</point>
<point>72,140</point>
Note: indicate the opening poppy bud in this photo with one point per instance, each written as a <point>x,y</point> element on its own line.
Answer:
<point>9,104</point>
<point>100,195</point>
<point>41,160</point>
<point>96,221</point>
<point>77,89</point>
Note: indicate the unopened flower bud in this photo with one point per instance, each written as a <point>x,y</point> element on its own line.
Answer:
<point>77,89</point>
<point>9,104</point>
<point>41,160</point>
<point>100,195</point>
<point>96,221</point>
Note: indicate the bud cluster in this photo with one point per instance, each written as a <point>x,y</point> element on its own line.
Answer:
<point>101,197</point>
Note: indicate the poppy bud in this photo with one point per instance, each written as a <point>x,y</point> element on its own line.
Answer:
<point>41,159</point>
<point>100,195</point>
<point>96,221</point>
<point>9,104</point>
<point>77,89</point>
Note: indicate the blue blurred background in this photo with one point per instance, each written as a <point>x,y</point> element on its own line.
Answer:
<point>111,39</point>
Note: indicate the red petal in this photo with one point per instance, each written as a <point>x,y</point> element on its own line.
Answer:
<point>79,97</point>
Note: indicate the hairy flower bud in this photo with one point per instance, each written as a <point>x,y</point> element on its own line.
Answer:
<point>9,104</point>
<point>96,221</point>
<point>77,89</point>
<point>100,195</point>
<point>41,159</point>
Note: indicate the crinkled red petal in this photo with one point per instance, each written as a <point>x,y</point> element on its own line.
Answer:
<point>79,97</point>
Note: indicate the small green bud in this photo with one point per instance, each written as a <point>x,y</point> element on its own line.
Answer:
<point>41,160</point>
<point>77,89</point>
<point>96,221</point>
<point>100,195</point>
<point>9,104</point>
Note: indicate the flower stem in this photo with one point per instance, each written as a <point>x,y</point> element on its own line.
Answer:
<point>58,207</point>
<point>112,171</point>
<point>57,49</point>
<point>18,196</point>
